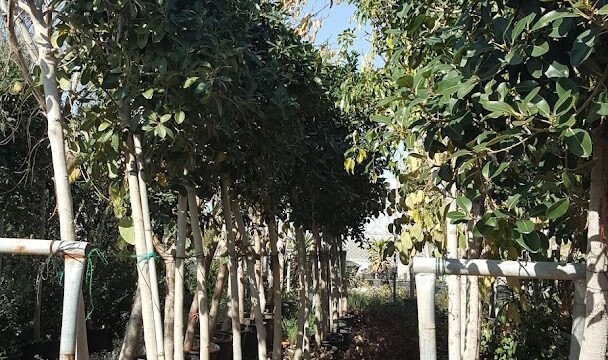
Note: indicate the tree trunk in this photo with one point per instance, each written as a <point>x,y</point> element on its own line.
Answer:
<point>232,268</point>
<point>595,336</point>
<point>180,252</point>
<point>191,325</point>
<point>276,290</point>
<point>253,286</point>
<point>259,273</point>
<point>454,350</point>
<point>148,235</point>
<point>201,276</point>
<point>316,278</point>
<point>304,309</point>
<point>140,243</point>
<point>241,278</point>
<point>335,296</point>
<point>473,319</point>
<point>133,331</point>
<point>217,295</point>
<point>344,281</point>
<point>169,307</point>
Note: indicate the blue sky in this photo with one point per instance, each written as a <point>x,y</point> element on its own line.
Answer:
<point>335,20</point>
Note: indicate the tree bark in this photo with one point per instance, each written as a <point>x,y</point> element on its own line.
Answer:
<point>316,278</point>
<point>217,295</point>
<point>304,309</point>
<point>201,276</point>
<point>169,307</point>
<point>276,290</point>
<point>335,296</point>
<point>232,268</point>
<point>191,325</point>
<point>140,243</point>
<point>145,208</point>
<point>133,331</point>
<point>241,278</point>
<point>454,350</point>
<point>180,252</point>
<point>253,285</point>
<point>259,273</point>
<point>595,336</point>
<point>473,319</point>
<point>344,281</point>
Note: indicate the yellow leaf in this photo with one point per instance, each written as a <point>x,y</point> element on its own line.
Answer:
<point>16,88</point>
<point>74,175</point>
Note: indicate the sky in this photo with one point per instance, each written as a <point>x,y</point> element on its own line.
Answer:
<point>335,20</point>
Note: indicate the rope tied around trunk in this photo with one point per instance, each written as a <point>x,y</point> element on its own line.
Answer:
<point>95,252</point>
<point>145,257</point>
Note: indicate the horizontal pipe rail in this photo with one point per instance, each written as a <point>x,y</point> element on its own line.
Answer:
<point>479,267</point>
<point>43,247</point>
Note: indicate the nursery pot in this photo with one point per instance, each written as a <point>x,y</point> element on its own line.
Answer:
<point>347,320</point>
<point>269,325</point>
<point>196,355</point>
<point>48,349</point>
<point>224,341</point>
<point>336,339</point>
<point>249,341</point>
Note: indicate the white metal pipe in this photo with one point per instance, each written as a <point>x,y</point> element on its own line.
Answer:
<point>479,267</point>
<point>578,319</point>
<point>43,247</point>
<point>74,271</point>
<point>425,285</point>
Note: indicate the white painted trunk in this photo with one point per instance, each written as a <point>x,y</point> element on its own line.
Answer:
<point>259,273</point>
<point>241,282</point>
<point>253,285</point>
<point>276,289</point>
<point>303,311</point>
<point>140,244</point>
<point>425,283</point>
<point>145,208</point>
<point>316,278</point>
<point>344,278</point>
<point>595,339</point>
<point>128,351</point>
<point>472,332</point>
<point>453,287</point>
<point>578,320</point>
<point>180,253</point>
<point>232,268</point>
<point>201,276</point>
<point>169,307</point>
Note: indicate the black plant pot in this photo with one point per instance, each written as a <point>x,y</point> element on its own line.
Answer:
<point>99,340</point>
<point>48,350</point>
<point>224,341</point>
<point>335,339</point>
<point>249,341</point>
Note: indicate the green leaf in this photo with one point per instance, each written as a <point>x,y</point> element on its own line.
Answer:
<point>525,226</point>
<point>498,107</point>
<point>467,86</point>
<point>126,230</point>
<point>578,142</point>
<point>558,209</point>
<point>512,201</point>
<point>603,109</point>
<point>189,81</point>
<point>531,242</point>
<point>584,46</point>
<point>148,93</point>
<point>603,10</point>
<point>381,119</point>
<point>540,47</point>
<point>104,125</point>
<point>520,25</point>
<point>449,86</point>
<point>464,203</point>
<point>180,116</point>
<point>485,225</point>
<point>552,16</point>
<point>557,70</point>
<point>165,118</point>
<point>457,217</point>
<point>406,81</point>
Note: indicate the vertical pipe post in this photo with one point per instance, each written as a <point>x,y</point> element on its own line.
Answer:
<point>454,306</point>
<point>425,284</point>
<point>578,319</point>
<point>74,271</point>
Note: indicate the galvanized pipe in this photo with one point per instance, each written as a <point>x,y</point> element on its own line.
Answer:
<point>479,267</point>
<point>43,247</point>
<point>578,320</point>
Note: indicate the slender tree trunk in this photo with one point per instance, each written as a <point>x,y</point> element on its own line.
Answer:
<point>281,253</point>
<point>140,244</point>
<point>253,286</point>
<point>201,276</point>
<point>344,281</point>
<point>232,268</point>
<point>52,107</point>
<point>241,278</point>
<point>180,253</point>
<point>133,331</point>
<point>169,307</point>
<point>454,350</point>
<point>217,295</point>
<point>595,336</point>
<point>259,273</point>
<point>304,309</point>
<point>316,278</point>
<point>289,260</point>
<point>335,296</point>
<point>37,306</point>
<point>191,325</point>
<point>276,289</point>
<point>145,208</point>
<point>473,318</point>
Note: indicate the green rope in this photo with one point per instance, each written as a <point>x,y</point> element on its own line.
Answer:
<point>89,276</point>
<point>145,257</point>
